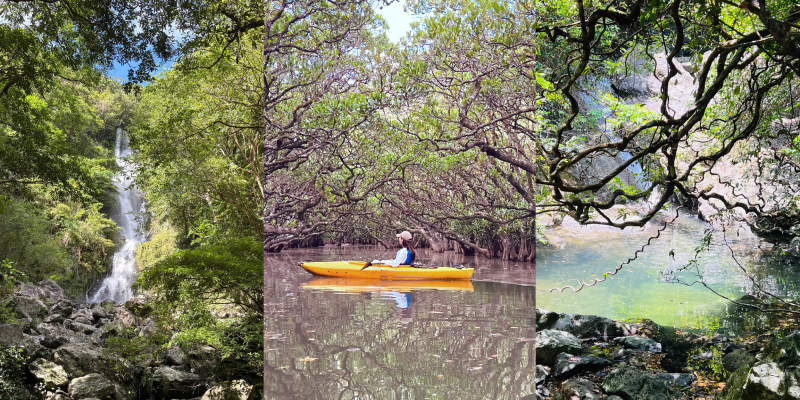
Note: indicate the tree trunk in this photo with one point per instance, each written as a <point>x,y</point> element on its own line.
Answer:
<point>508,248</point>
<point>523,246</point>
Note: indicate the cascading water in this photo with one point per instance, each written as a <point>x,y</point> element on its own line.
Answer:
<point>117,286</point>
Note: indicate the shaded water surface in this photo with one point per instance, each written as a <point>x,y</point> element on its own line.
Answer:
<point>359,340</point>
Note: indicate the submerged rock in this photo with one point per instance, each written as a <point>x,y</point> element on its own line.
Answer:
<point>568,365</point>
<point>630,383</point>
<point>550,343</point>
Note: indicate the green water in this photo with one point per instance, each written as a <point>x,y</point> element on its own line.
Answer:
<point>642,289</point>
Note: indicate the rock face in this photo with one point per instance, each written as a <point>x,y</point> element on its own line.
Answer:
<point>79,359</point>
<point>550,343</point>
<point>177,384</point>
<point>52,375</point>
<point>630,383</point>
<point>92,386</point>
<point>568,365</point>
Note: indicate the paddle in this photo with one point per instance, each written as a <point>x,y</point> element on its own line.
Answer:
<point>366,264</point>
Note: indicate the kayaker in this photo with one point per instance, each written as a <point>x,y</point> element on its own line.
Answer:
<point>405,256</point>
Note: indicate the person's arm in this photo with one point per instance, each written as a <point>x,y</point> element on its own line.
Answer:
<point>401,256</point>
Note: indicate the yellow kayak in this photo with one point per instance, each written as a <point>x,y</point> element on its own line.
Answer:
<point>347,285</point>
<point>352,269</point>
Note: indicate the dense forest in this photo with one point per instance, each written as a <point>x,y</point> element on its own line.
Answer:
<point>284,124</point>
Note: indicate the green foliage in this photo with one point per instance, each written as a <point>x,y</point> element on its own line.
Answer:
<point>161,245</point>
<point>13,385</point>
<point>712,367</point>
<point>139,350</point>
<point>190,281</point>
<point>192,287</point>
<point>9,276</point>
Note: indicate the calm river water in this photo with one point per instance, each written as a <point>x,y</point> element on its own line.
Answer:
<point>329,339</point>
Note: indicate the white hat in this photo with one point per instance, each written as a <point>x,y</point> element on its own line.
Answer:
<point>406,235</point>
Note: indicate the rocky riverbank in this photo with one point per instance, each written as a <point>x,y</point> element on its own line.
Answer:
<point>64,348</point>
<point>589,357</point>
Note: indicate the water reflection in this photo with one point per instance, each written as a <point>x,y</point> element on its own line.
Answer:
<point>405,340</point>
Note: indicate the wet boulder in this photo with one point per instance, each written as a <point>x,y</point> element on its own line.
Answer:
<point>639,343</point>
<point>770,381</point>
<point>175,384</point>
<point>737,359</point>
<point>680,380</point>
<point>568,365</point>
<point>630,383</point>
<point>50,374</point>
<point>550,343</point>
<point>79,359</point>
<point>579,325</point>
<point>581,389</point>
<point>776,376</point>
<point>92,386</point>
<point>542,373</point>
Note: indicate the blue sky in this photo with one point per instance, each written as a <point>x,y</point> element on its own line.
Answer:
<point>399,23</point>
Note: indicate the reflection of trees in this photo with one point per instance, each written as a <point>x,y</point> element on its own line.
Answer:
<point>363,351</point>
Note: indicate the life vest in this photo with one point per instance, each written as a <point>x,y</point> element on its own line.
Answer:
<point>408,258</point>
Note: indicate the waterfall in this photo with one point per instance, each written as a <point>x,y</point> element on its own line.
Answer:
<point>117,285</point>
